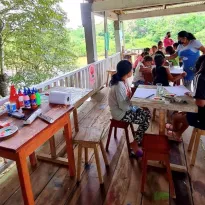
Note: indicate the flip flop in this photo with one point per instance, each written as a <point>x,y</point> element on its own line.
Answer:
<point>136,155</point>
<point>172,136</point>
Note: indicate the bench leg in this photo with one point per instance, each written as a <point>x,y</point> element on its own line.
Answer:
<point>79,162</point>
<point>104,153</point>
<point>32,158</point>
<point>97,159</point>
<point>107,79</point>
<point>115,132</point>
<point>86,155</point>
<point>191,142</point>
<point>52,147</point>
<point>75,118</point>
<point>196,145</point>
<point>109,136</point>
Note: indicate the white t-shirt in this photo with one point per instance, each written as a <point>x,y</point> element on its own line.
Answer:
<point>138,75</point>
<point>193,45</point>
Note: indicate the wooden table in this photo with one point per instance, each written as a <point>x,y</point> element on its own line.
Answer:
<point>163,107</point>
<point>30,137</point>
<point>78,97</point>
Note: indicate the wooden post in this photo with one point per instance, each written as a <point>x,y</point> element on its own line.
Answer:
<point>89,27</point>
<point>118,36</point>
<point>106,33</point>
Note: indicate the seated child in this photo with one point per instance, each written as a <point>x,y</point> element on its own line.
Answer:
<point>181,121</point>
<point>143,67</point>
<point>120,105</point>
<point>139,59</point>
<point>161,74</point>
<point>128,57</point>
<point>154,50</point>
<point>170,50</point>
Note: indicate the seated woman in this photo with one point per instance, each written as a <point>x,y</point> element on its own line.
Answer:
<point>143,67</point>
<point>161,74</point>
<point>120,105</point>
<point>170,50</point>
<point>181,121</point>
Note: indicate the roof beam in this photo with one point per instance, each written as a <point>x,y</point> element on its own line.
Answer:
<point>112,5</point>
<point>110,15</point>
<point>163,12</point>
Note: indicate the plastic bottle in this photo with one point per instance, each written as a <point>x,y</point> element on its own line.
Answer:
<point>26,98</point>
<point>38,97</point>
<point>20,99</point>
<point>33,100</point>
<point>13,99</point>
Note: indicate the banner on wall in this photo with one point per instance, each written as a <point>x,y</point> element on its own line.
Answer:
<point>92,74</point>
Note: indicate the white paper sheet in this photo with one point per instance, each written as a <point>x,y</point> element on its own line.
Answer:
<point>144,93</point>
<point>177,90</point>
<point>176,70</point>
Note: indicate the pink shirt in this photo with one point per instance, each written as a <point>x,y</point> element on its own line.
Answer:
<point>139,59</point>
<point>168,42</point>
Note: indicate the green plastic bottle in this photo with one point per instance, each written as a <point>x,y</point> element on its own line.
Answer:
<point>38,97</point>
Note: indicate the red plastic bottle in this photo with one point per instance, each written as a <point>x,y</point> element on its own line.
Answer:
<point>33,100</point>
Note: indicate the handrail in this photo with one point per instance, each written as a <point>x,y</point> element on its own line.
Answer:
<point>80,77</point>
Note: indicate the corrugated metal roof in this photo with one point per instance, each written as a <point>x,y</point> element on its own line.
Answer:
<point>156,8</point>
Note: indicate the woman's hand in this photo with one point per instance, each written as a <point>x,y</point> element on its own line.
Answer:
<point>184,74</point>
<point>188,94</point>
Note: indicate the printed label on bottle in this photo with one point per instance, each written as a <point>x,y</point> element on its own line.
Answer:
<point>27,103</point>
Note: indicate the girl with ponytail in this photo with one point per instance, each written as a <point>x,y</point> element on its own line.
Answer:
<point>121,108</point>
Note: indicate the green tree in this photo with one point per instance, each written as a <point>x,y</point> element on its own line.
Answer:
<point>34,40</point>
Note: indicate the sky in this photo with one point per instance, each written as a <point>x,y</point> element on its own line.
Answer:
<point>72,8</point>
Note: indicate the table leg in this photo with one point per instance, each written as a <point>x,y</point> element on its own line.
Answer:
<point>75,117</point>
<point>162,122</point>
<point>32,158</point>
<point>53,147</point>
<point>69,147</point>
<point>24,179</point>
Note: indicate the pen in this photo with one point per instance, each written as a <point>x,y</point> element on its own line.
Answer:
<point>149,96</point>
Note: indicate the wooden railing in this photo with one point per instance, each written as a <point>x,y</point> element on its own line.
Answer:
<point>80,77</point>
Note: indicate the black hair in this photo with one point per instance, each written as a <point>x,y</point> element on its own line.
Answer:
<point>159,60</point>
<point>170,50</point>
<point>184,34</point>
<point>200,65</point>
<point>160,42</point>
<point>145,53</point>
<point>127,57</point>
<point>175,45</point>
<point>123,68</point>
<point>147,50</point>
<point>160,53</point>
<point>168,32</point>
<point>154,46</point>
<point>148,58</point>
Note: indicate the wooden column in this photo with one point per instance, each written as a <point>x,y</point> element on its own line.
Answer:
<point>118,36</point>
<point>89,28</point>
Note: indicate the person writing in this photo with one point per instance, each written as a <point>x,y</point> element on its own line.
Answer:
<point>142,68</point>
<point>167,40</point>
<point>181,121</point>
<point>161,74</point>
<point>188,50</point>
<point>121,108</point>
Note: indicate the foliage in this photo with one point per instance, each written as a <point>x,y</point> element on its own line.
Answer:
<point>35,39</point>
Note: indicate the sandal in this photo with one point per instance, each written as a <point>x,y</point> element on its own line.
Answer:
<point>137,154</point>
<point>172,136</point>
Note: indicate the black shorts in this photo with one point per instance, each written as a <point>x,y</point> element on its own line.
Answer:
<point>192,119</point>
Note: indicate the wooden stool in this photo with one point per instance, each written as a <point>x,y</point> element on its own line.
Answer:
<point>156,148</point>
<point>110,73</point>
<point>119,124</point>
<point>194,141</point>
<point>90,138</point>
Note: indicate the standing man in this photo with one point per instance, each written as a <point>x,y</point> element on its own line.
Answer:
<point>167,40</point>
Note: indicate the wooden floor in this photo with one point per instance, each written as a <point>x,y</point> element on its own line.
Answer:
<point>53,186</point>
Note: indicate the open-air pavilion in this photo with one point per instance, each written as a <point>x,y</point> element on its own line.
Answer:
<point>51,181</point>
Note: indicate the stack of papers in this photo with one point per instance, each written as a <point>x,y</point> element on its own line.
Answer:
<point>177,90</point>
<point>144,93</point>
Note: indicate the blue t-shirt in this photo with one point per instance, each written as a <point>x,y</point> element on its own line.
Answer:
<point>189,55</point>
